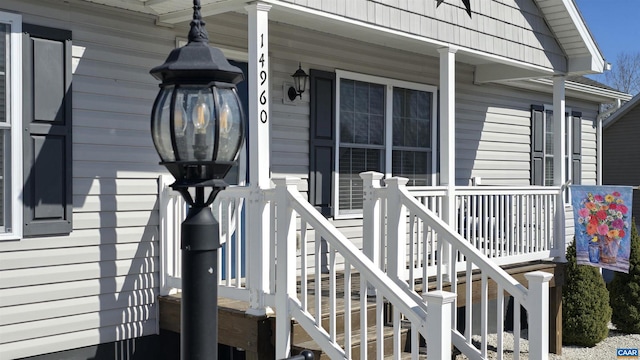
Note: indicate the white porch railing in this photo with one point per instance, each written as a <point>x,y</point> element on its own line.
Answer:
<point>229,211</point>
<point>509,225</point>
<point>416,237</point>
<point>300,232</point>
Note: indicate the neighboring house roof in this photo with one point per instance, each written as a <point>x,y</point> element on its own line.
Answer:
<point>620,113</point>
<point>550,34</point>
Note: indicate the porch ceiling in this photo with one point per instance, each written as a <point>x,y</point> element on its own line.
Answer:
<point>561,15</point>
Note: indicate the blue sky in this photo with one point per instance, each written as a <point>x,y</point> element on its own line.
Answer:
<point>615,24</point>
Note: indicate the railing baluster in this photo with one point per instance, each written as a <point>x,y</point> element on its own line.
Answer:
<point>425,255</point>
<point>347,309</point>
<point>380,322</point>
<point>500,321</point>
<point>454,284</point>
<point>226,229</point>
<point>397,328</point>
<point>332,292</point>
<point>516,328</point>
<point>364,293</point>
<point>414,242</point>
<point>468,328</point>
<point>272,246</point>
<point>484,313</point>
<point>318,278</point>
<point>304,275</point>
<point>240,263</point>
<point>491,224</point>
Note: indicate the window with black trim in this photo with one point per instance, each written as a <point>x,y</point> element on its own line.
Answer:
<point>542,145</point>
<point>367,123</point>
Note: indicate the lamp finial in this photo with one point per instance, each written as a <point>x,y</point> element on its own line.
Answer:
<point>198,33</point>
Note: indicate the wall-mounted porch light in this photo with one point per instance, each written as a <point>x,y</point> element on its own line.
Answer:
<point>300,83</point>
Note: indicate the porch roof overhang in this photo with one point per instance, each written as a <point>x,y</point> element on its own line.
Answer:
<point>562,17</point>
<point>574,88</point>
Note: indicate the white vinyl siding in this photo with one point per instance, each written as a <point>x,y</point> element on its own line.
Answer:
<point>99,284</point>
<point>10,124</point>
<point>513,29</point>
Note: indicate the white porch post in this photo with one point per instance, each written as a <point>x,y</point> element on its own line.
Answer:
<point>396,229</point>
<point>371,219</point>
<point>258,213</point>
<point>538,310</point>
<point>440,304</point>
<point>559,160</point>
<point>286,275</point>
<point>560,130</point>
<point>448,142</point>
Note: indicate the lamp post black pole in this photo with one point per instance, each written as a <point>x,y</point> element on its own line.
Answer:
<point>197,128</point>
<point>199,307</point>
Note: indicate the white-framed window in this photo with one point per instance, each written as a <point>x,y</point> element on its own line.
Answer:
<point>383,125</point>
<point>542,146</point>
<point>10,125</point>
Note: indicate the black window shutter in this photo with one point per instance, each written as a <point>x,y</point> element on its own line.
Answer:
<point>537,145</point>
<point>576,148</point>
<point>322,139</point>
<point>47,111</point>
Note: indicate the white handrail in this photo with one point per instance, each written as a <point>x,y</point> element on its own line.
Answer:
<point>445,233</point>
<point>291,204</point>
<point>535,300</point>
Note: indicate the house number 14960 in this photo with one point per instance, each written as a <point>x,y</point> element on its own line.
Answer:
<point>263,80</point>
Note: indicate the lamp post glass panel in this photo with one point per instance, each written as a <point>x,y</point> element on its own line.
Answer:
<point>197,128</point>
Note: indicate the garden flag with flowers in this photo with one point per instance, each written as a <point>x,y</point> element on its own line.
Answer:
<point>603,225</point>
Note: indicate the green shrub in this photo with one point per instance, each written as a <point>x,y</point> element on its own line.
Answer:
<point>585,304</point>
<point>624,291</point>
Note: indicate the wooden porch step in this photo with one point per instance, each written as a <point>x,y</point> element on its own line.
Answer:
<point>372,342</point>
<point>299,335</point>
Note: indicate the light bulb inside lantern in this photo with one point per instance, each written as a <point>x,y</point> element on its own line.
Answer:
<point>179,120</point>
<point>225,124</point>
<point>201,115</point>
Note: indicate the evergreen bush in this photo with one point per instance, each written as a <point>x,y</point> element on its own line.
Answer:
<point>585,304</point>
<point>624,291</point>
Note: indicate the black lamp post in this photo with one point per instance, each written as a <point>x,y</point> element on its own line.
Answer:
<point>197,127</point>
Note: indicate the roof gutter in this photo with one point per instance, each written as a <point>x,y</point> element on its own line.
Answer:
<point>588,89</point>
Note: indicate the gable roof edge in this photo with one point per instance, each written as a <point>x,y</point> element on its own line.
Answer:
<point>592,60</point>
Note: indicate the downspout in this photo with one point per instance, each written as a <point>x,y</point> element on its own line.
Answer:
<point>599,119</point>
